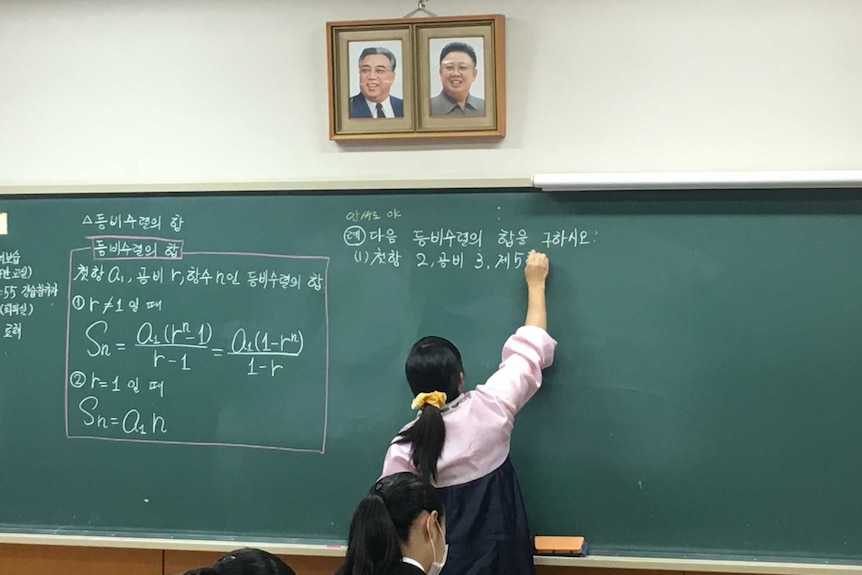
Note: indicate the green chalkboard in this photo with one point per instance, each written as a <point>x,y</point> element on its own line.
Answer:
<point>230,365</point>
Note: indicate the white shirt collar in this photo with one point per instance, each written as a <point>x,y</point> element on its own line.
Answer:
<point>451,405</point>
<point>413,562</point>
<point>387,107</point>
<point>454,403</point>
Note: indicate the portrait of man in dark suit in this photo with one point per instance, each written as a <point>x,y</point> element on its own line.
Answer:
<point>377,72</point>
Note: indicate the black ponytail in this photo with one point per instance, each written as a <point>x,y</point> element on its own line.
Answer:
<point>433,364</point>
<point>426,437</point>
<point>372,545</point>
<point>382,520</point>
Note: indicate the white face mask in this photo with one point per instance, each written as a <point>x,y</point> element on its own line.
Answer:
<point>437,566</point>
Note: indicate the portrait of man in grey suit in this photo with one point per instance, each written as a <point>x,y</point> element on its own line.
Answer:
<point>376,74</point>
<point>458,70</point>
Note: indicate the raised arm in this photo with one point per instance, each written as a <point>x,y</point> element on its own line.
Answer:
<point>526,352</point>
<point>535,272</point>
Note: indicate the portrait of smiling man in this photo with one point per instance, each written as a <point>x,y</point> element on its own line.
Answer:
<point>458,70</point>
<point>377,72</point>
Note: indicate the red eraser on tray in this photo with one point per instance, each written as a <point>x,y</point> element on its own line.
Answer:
<point>552,545</point>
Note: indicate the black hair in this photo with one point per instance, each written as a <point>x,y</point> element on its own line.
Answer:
<point>459,47</point>
<point>246,561</point>
<point>433,364</point>
<point>382,522</point>
<point>378,50</point>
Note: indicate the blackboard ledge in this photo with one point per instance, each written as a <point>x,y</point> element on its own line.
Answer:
<point>171,544</point>
<point>298,549</point>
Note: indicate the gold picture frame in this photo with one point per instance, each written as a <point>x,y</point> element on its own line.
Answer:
<point>463,57</point>
<point>388,79</point>
<point>385,46</point>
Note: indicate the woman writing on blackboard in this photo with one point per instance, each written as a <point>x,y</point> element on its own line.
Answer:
<point>460,441</point>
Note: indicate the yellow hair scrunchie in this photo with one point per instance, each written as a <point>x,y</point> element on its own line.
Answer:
<point>435,398</point>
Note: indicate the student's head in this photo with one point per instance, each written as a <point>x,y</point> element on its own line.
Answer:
<point>402,515</point>
<point>433,367</point>
<point>434,364</point>
<point>245,561</point>
<point>458,69</point>
<point>376,73</point>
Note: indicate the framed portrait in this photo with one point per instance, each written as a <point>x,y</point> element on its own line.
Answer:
<point>416,78</point>
<point>461,76</point>
<point>371,80</point>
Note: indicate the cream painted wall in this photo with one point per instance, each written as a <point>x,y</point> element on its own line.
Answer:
<point>201,91</point>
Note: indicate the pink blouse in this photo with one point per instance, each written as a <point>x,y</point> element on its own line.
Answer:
<point>479,422</point>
